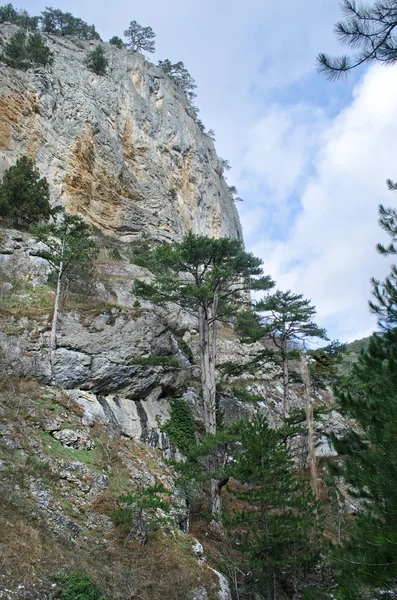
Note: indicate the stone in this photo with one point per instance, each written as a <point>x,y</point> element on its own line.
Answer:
<point>199,593</point>
<point>120,150</point>
<point>75,439</point>
<point>198,551</point>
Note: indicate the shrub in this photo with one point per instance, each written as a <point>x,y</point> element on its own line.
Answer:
<point>116,41</point>
<point>180,428</point>
<point>38,53</point>
<point>78,586</point>
<point>97,61</point>
<point>24,51</point>
<point>24,196</point>
<point>142,511</point>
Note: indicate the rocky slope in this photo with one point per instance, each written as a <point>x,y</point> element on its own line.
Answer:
<point>121,150</point>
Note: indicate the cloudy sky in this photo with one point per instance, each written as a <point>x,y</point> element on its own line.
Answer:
<point>310,158</point>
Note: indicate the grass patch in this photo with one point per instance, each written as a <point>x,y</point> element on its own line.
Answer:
<point>28,300</point>
<point>54,449</point>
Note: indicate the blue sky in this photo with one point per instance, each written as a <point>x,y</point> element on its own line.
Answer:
<point>310,158</point>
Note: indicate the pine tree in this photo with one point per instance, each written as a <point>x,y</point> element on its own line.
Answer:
<point>58,22</point>
<point>24,51</point>
<point>368,29</point>
<point>24,196</point>
<point>210,278</point>
<point>116,41</point>
<point>140,38</point>
<point>180,75</point>
<point>97,61</point>
<point>287,319</point>
<point>18,17</point>
<point>275,527</point>
<point>369,466</point>
<point>69,242</point>
<point>37,51</point>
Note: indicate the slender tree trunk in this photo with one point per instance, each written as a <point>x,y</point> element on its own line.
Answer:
<point>286,385</point>
<point>208,334</point>
<point>53,338</point>
<point>311,454</point>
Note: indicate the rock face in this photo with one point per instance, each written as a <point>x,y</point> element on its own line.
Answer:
<point>121,150</point>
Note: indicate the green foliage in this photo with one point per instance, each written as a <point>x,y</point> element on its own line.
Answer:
<point>140,38</point>
<point>15,53</point>
<point>140,253</point>
<point>115,254</point>
<point>370,31</point>
<point>180,428</point>
<point>57,22</point>
<point>369,556</point>
<point>71,248</point>
<point>116,41</point>
<point>24,51</point>
<point>38,53</point>
<point>385,293</point>
<point>370,468</point>
<point>199,270</point>
<point>180,75</point>
<point>24,196</point>
<point>18,17</point>
<point>143,511</point>
<point>324,365</point>
<point>78,586</point>
<point>185,348</point>
<point>275,528</point>
<point>97,61</point>
<point>245,395</point>
<point>289,317</point>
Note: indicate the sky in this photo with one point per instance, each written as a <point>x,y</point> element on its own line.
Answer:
<point>309,157</point>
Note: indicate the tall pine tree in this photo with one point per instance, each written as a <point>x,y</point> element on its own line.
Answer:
<point>211,279</point>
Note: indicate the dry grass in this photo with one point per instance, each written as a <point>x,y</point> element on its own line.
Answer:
<point>32,555</point>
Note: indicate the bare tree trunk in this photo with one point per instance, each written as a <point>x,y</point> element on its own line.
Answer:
<point>286,386</point>
<point>53,339</point>
<point>311,454</point>
<point>208,384</point>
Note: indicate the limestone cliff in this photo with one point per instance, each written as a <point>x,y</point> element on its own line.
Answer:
<point>121,150</point>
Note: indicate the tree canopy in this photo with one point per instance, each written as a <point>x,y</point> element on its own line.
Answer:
<point>140,38</point>
<point>24,195</point>
<point>23,51</point>
<point>368,29</point>
<point>56,21</point>
<point>211,279</point>
<point>180,75</point>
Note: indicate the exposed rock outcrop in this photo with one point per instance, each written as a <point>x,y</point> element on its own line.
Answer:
<point>121,150</point>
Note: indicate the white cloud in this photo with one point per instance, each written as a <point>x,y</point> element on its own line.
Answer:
<point>330,254</point>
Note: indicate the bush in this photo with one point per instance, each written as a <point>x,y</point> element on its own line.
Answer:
<point>78,586</point>
<point>181,428</point>
<point>97,61</point>
<point>38,53</point>
<point>24,196</point>
<point>143,511</point>
<point>116,41</point>
<point>24,51</point>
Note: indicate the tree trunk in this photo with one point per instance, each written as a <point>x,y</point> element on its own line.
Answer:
<point>311,453</point>
<point>286,386</point>
<point>208,384</point>
<point>53,338</point>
